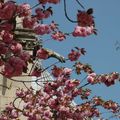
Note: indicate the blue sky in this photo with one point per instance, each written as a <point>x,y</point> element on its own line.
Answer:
<point>101,49</point>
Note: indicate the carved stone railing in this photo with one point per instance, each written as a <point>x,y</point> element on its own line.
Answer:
<point>27,38</point>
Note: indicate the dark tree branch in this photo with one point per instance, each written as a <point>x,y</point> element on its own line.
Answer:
<point>80,4</point>
<point>66,15</point>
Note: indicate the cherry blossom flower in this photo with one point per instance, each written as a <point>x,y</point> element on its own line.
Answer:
<point>42,54</point>
<point>43,14</point>
<point>39,13</point>
<point>23,10</point>
<point>29,22</point>
<point>56,71</point>
<point>36,72</point>
<point>20,93</point>
<point>9,107</point>
<point>25,56</point>
<point>47,13</point>
<point>43,1</point>
<point>67,71</point>
<point>3,48</point>
<point>59,36</point>
<point>6,26</point>
<point>42,29</point>
<point>16,48</point>
<point>49,1</point>
<point>14,114</point>
<point>85,19</point>
<point>70,84</point>
<point>1,62</point>
<point>74,55</point>
<point>54,1</point>
<point>7,11</point>
<point>53,26</point>
<point>14,67</point>
<point>6,36</point>
<point>91,78</point>
<point>83,31</point>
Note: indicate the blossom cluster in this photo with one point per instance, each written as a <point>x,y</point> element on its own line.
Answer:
<point>55,101</point>
<point>110,105</point>
<point>83,31</point>
<point>43,14</point>
<point>107,79</point>
<point>79,67</point>
<point>49,1</point>
<point>86,25</point>
<point>12,54</point>
<point>13,58</point>
<point>74,55</point>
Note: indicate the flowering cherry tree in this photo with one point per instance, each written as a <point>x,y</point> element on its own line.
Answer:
<point>54,101</point>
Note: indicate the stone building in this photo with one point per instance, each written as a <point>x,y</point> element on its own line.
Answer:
<point>8,87</point>
<point>28,40</point>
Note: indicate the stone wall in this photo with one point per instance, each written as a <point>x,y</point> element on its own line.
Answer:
<point>8,90</point>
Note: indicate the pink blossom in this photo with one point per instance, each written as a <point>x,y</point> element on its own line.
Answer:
<point>16,48</point>
<point>7,11</point>
<point>48,113</point>
<point>115,75</point>
<point>25,56</point>
<point>28,105</point>
<point>109,79</point>
<point>59,36</point>
<point>6,26</point>
<point>92,74</point>
<point>24,10</point>
<point>85,19</point>
<point>49,1</point>
<point>43,1</point>
<point>64,109</point>
<point>54,1</point>
<point>83,31</point>
<point>7,37</point>
<point>4,117</point>
<point>70,84</point>
<point>53,26</point>
<point>14,67</point>
<point>42,29</point>
<point>29,22</point>
<point>87,92</point>
<point>8,70</point>
<point>47,13</point>
<point>3,48</point>
<point>53,103</point>
<point>20,93</point>
<point>90,79</point>
<point>56,71</point>
<point>48,88</point>
<point>36,73</point>
<point>67,71</point>
<point>74,55</point>
<point>39,14</point>
<point>76,92</point>
<point>1,4</point>
<point>114,106</point>
<point>9,107</point>
<point>14,114</point>
<point>1,62</point>
<point>42,54</point>
<point>46,118</point>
